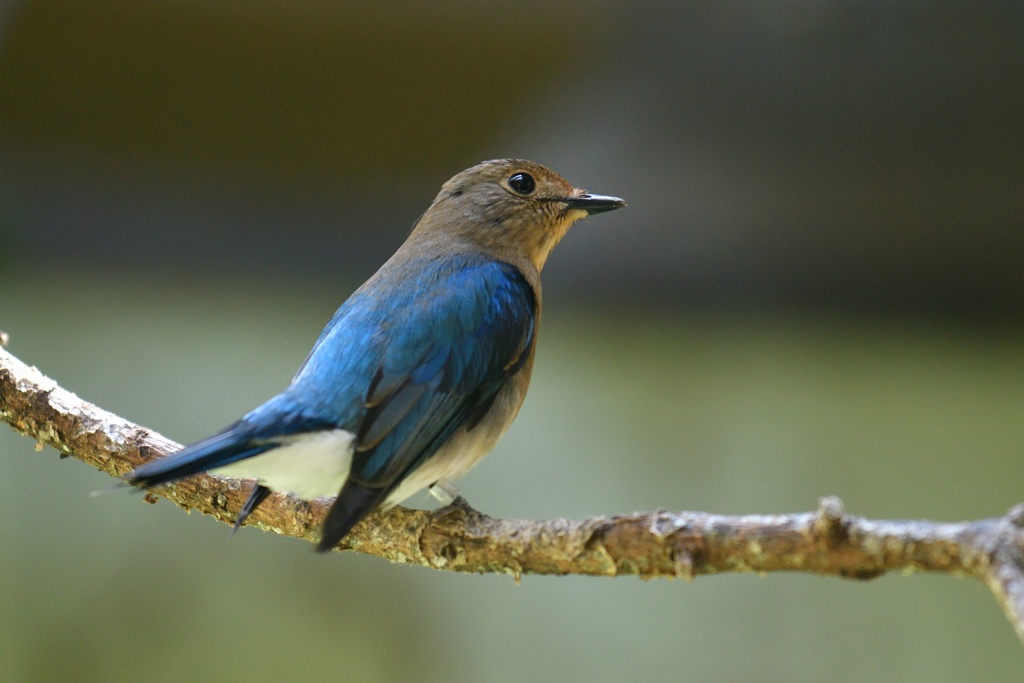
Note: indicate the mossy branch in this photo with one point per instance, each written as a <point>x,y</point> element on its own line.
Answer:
<point>458,538</point>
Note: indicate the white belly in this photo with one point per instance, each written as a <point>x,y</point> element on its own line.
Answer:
<point>310,466</point>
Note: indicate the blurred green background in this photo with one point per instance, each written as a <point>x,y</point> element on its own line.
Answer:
<point>816,289</point>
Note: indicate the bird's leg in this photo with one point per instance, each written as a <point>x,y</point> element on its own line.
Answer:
<point>444,491</point>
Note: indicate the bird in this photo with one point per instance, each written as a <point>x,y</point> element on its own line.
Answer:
<point>421,370</point>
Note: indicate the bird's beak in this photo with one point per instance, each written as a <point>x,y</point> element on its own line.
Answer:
<point>594,203</point>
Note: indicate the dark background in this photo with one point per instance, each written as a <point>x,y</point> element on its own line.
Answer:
<point>823,154</point>
<point>816,289</point>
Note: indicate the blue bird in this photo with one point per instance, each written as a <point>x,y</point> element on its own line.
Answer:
<point>421,370</point>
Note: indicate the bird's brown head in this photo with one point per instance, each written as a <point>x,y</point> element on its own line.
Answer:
<point>512,208</point>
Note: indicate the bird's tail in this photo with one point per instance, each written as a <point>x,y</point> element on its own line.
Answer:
<point>231,445</point>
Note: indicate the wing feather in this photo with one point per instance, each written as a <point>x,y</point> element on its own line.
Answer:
<point>476,331</point>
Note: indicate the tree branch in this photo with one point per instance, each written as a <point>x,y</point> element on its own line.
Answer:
<point>458,538</point>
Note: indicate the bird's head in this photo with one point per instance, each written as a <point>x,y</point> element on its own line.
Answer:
<point>512,208</point>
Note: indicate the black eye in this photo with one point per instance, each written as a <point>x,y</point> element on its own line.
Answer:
<point>523,183</point>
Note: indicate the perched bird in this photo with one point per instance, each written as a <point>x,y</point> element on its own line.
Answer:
<point>422,369</point>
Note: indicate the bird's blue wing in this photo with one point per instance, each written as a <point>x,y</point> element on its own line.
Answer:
<point>407,366</point>
<point>446,353</point>
<point>445,371</point>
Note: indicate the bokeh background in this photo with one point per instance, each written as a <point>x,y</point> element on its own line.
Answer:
<point>816,289</point>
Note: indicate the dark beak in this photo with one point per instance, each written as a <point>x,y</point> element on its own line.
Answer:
<point>594,203</point>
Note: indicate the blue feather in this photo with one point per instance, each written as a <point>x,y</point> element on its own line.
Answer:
<point>440,362</point>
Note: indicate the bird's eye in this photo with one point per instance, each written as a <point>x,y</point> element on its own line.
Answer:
<point>523,183</point>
